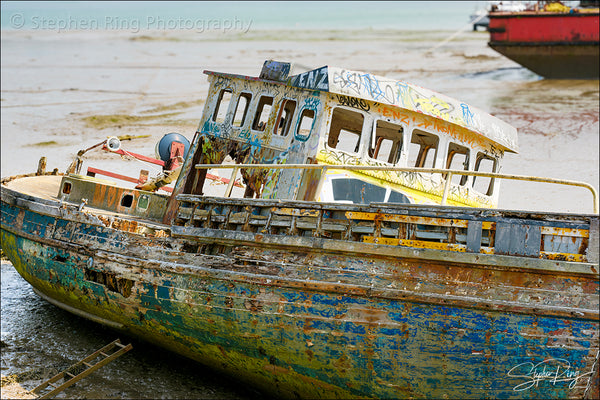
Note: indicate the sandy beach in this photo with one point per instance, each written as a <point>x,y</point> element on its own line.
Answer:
<point>66,91</point>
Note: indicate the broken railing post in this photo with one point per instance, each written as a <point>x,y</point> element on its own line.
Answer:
<point>231,182</point>
<point>446,188</point>
<point>41,166</point>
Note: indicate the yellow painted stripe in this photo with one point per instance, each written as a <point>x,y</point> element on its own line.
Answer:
<point>421,244</point>
<point>415,243</point>
<point>296,212</point>
<point>459,223</point>
<point>487,250</point>
<point>409,219</point>
<point>550,230</point>
<point>563,256</point>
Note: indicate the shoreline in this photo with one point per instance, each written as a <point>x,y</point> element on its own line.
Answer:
<point>271,34</point>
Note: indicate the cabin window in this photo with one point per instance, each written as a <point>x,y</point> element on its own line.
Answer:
<point>66,189</point>
<point>222,106</point>
<point>241,109</point>
<point>284,119</point>
<point>422,150</point>
<point>484,163</point>
<point>386,142</point>
<point>458,158</point>
<point>143,202</point>
<point>305,124</point>
<point>397,197</point>
<point>263,110</point>
<point>126,200</point>
<point>356,191</point>
<point>345,130</point>
<point>359,192</point>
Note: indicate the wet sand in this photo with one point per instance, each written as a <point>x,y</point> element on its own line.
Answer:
<point>40,340</point>
<point>62,92</point>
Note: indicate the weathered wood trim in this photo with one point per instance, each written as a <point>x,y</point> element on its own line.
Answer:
<point>232,238</point>
<point>352,289</point>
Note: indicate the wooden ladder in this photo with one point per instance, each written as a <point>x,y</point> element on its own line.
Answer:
<point>82,369</point>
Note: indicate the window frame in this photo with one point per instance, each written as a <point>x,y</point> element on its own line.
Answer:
<point>290,118</point>
<point>218,104</point>
<point>423,150</point>
<point>362,134</point>
<point>259,113</point>
<point>301,111</point>
<point>396,148</point>
<point>451,153</point>
<point>496,162</point>
<point>248,96</point>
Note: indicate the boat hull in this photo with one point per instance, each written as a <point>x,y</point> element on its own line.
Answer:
<point>554,61</point>
<point>302,321</point>
<point>553,45</point>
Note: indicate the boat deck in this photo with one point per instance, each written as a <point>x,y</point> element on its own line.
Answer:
<point>44,186</point>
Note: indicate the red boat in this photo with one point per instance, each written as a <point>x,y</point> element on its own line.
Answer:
<point>550,39</point>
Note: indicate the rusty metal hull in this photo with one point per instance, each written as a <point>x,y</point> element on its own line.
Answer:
<point>319,317</point>
<point>554,61</point>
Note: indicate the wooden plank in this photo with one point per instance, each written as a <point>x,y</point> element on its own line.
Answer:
<point>428,211</point>
<point>533,240</point>
<point>518,239</point>
<point>303,243</point>
<point>474,236</point>
<point>510,238</point>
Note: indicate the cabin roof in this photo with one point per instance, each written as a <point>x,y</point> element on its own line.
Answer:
<point>393,92</point>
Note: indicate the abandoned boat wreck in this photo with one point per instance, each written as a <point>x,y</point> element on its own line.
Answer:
<point>355,251</point>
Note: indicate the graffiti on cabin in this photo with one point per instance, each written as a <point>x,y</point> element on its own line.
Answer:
<point>352,102</point>
<point>463,136</point>
<point>286,123</point>
<point>315,79</point>
<point>359,84</point>
<point>418,184</point>
<point>404,95</point>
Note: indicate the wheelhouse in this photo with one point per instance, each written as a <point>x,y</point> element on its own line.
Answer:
<point>333,116</point>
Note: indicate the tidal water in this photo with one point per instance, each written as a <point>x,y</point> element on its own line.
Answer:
<point>54,80</point>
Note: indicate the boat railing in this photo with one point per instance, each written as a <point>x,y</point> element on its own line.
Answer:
<point>448,173</point>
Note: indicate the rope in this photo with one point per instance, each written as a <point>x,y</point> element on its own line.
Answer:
<point>456,33</point>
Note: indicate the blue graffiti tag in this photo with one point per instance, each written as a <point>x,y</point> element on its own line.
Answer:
<point>467,114</point>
